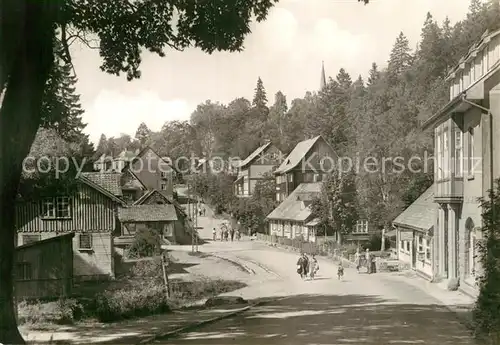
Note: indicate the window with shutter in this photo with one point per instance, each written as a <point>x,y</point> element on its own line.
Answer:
<point>85,242</point>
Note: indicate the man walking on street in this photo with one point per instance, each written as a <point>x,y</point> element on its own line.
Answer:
<point>232,235</point>
<point>369,258</point>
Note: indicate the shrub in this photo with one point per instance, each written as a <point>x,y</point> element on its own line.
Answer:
<point>63,311</point>
<point>485,315</point>
<point>130,302</point>
<point>147,269</point>
<point>146,244</point>
<point>68,310</point>
<point>184,292</point>
<point>31,313</point>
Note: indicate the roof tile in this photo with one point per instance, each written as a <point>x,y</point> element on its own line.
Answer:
<point>108,181</point>
<point>298,153</point>
<point>147,213</point>
<point>421,214</point>
<point>296,206</point>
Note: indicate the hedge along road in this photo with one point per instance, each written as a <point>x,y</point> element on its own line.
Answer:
<point>360,309</point>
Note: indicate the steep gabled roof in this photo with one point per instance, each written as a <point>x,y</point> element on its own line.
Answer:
<point>152,192</point>
<point>134,179</point>
<point>107,180</point>
<point>252,156</point>
<point>297,155</point>
<point>296,205</point>
<point>420,215</point>
<point>100,189</point>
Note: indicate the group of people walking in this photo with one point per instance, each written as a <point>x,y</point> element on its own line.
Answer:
<point>307,268</point>
<point>226,233</point>
<point>365,259</point>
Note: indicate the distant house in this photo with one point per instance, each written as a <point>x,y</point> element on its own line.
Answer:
<point>89,212</point>
<point>152,171</point>
<point>293,218</point>
<point>174,229</point>
<point>361,232</point>
<point>309,161</point>
<point>44,269</point>
<point>217,165</point>
<point>141,217</point>
<point>114,164</point>
<point>253,169</point>
<point>414,233</point>
<point>131,187</point>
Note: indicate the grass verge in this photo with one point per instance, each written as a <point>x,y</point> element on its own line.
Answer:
<point>141,294</point>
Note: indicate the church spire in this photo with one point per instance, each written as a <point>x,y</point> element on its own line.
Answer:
<point>323,76</point>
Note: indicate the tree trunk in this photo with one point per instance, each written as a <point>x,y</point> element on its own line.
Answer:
<point>19,121</point>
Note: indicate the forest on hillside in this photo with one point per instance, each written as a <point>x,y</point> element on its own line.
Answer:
<point>378,116</point>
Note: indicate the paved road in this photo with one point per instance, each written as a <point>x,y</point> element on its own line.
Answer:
<point>361,309</point>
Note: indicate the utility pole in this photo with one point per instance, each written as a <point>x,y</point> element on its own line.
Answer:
<point>382,247</point>
<point>190,215</point>
<point>164,265</point>
<point>196,222</point>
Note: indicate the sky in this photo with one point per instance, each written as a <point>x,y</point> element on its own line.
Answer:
<point>286,51</point>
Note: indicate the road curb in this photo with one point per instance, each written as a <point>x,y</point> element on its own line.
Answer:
<point>236,263</point>
<point>183,329</point>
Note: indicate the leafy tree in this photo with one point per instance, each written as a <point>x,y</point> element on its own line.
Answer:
<point>295,126</point>
<point>485,313</point>
<point>39,177</point>
<point>252,212</point>
<point>277,114</point>
<point>142,134</point>
<point>336,207</point>
<point>230,137</point>
<point>206,120</point>
<point>417,186</point>
<point>123,142</point>
<point>124,29</point>
<point>178,139</point>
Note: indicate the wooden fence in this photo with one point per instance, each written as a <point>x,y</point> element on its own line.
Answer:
<point>323,248</point>
<point>337,252</point>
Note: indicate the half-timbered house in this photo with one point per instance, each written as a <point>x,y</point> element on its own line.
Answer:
<point>90,212</point>
<point>309,161</point>
<point>153,171</point>
<point>255,167</point>
<point>171,219</point>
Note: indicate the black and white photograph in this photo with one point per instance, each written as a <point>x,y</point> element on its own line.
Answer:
<point>250,172</point>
